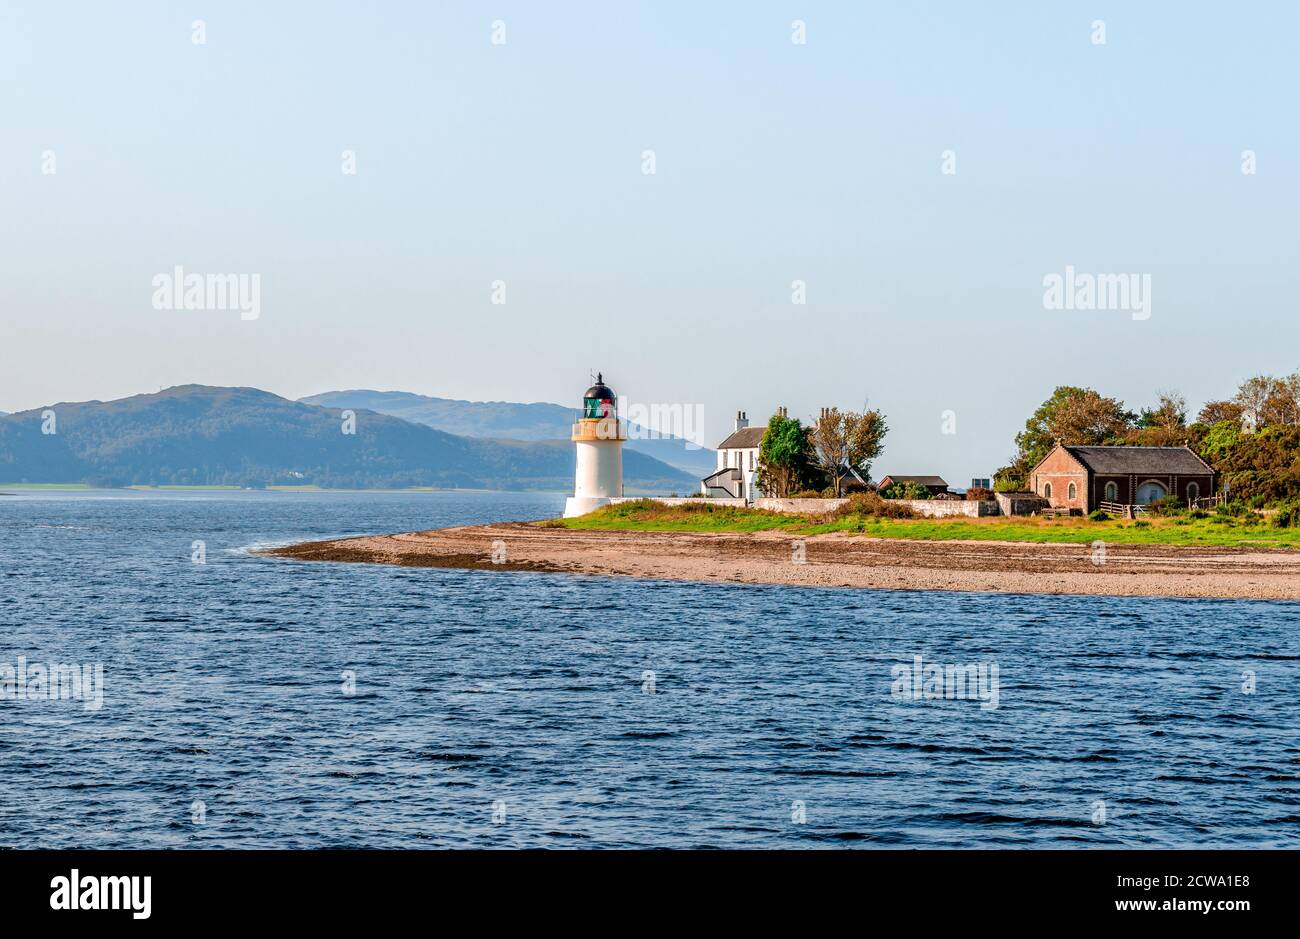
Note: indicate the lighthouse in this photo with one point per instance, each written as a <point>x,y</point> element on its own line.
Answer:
<point>599,442</point>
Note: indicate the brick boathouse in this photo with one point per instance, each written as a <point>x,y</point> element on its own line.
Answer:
<point>1081,478</point>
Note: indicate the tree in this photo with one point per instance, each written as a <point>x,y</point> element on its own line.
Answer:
<point>1169,413</point>
<point>1073,416</point>
<point>1282,406</point>
<point>1216,411</point>
<point>846,440</point>
<point>1251,397</point>
<point>783,455</point>
<point>1165,425</point>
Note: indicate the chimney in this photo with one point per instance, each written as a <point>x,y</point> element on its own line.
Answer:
<point>741,420</point>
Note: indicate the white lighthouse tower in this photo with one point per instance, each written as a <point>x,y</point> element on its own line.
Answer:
<point>599,441</point>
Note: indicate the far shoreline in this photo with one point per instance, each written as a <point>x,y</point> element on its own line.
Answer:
<point>831,560</point>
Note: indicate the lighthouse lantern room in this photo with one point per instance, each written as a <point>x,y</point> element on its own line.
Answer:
<point>598,438</point>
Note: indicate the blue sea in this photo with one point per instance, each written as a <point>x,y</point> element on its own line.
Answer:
<point>252,702</point>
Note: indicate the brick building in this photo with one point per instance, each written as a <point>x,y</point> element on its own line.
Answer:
<point>1080,478</point>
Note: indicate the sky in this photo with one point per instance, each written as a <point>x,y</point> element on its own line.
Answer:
<point>919,168</point>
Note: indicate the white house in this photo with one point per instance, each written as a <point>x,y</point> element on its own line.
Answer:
<point>737,463</point>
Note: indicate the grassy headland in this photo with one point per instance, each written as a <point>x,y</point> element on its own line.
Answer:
<point>1210,530</point>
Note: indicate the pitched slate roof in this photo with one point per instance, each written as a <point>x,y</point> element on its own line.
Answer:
<point>919,480</point>
<point>1140,461</point>
<point>744,439</point>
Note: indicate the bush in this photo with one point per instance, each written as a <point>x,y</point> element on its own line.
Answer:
<point>978,494</point>
<point>869,505</point>
<point>807,494</point>
<point>854,486</point>
<point>1097,515</point>
<point>1169,505</point>
<point>901,490</point>
<point>1198,514</point>
<point>1287,516</point>
<point>1141,524</point>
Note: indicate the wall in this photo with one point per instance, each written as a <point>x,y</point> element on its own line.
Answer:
<point>931,508</point>
<point>735,503</point>
<point>947,508</point>
<point>801,506</point>
<point>1018,503</point>
<point>1060,469</point>
<point>1176,485</point>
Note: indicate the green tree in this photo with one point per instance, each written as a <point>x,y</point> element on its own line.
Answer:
<point>783,456</point>
<point>1071,415</point>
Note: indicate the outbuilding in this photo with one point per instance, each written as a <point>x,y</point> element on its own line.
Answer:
<point>1082,478</point>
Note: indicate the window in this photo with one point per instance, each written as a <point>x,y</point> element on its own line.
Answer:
<point>1047,490</point>
<point>1112,492</point>
<point>751,459</point>
<point>1193,492</point>
<point>1072,491</point>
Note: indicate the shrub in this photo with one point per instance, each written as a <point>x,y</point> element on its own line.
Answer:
<point>806,494</point>
<point>1141,524</point>
<point>870,505</point>
<point>1169,505</point>
<point>1198,514</point>
<point>978,494</point>
<point>1097,515</point>
<point>1288,515</point>
<point>854,486</point>
<point>902,490</point>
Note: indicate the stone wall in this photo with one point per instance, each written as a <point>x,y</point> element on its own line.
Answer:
<point>799,506</point>
<point>1019,503</point>
<point>930,508</point>
<point>947,508</point>
<point>736,503</point>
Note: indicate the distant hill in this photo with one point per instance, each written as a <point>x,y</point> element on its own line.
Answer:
<point>198,435</point>
<point>539,421</point>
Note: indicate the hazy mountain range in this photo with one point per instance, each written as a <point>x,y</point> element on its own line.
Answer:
<point>539,421</point>
<point>195,435</point>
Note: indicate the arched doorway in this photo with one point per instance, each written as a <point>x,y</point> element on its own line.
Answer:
<point>1149,492</point>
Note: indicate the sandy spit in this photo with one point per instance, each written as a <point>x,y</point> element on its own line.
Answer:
<point>834,560</point>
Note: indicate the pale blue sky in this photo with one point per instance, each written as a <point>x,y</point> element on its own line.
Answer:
<point>775,162</point>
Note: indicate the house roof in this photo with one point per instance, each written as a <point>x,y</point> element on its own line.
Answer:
<point>919,480</point>
<point>744,439</point>
<point>1139,461</point>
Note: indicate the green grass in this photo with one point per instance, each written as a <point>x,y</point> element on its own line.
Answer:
<point>644,515</point>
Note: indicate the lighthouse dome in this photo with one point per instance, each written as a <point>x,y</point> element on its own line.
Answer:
<point>600,391</point>
<point>599,400</point>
